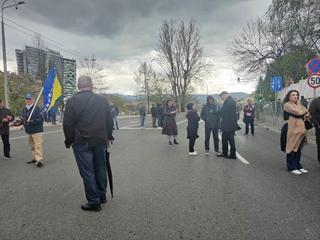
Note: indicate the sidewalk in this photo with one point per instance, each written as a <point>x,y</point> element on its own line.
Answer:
<point>275,125</point>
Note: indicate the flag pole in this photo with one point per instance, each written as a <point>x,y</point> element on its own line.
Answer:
<point>35,104</point>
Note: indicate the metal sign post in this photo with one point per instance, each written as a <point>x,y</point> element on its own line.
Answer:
<point>314,82</point>
<point>276,84</point>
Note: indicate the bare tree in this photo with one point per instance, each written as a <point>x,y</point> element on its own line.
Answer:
<point>288,25</point>
<point>90,67</point>
<point>160,86</point>
<point>181,56</point>
<point>144,78</point>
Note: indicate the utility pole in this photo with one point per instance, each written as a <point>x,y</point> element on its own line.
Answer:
<point>5,71</point>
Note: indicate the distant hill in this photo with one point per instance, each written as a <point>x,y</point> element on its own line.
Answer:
<point>195,97</point>
<point>203,97</point>
<point>125,98</point>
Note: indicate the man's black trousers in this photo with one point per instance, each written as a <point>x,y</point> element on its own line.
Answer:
<point>228,139</point>
<point>6,145</point>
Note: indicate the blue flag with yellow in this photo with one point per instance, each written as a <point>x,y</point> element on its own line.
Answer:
<point>52,90</point>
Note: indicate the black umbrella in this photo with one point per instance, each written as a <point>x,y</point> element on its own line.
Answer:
<point>109,172</point>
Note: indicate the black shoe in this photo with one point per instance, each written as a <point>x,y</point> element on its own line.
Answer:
<point>91,207</point>
<point>31,161</point>
<point>175,141</point>
<point>232,157</point>
<point>103,200</point>
<point>39,164</point>
<point>170,143</point>
<point>221,155</point>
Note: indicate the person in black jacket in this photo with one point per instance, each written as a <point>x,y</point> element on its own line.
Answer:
<point>87,127</point>
<point>228,125</point>
<point>210,115</point>
<point>34,128</point>
<point>160,115</point>
<point>314,111</point>
<point>154,115</point>
<point>115,112</point>
<point>5,118</point>
<point>192,128</point>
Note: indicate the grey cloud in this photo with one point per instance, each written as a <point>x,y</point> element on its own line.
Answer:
<point>109,18</point>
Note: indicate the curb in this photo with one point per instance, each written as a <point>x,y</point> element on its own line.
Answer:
<point>311,139</point>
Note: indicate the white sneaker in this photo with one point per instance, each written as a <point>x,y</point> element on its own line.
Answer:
<point>303,170</point>
<point>193,153</point>
<point>207,152</point>
<point>296,172</point>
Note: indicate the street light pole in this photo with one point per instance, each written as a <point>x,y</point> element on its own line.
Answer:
<point>5,71</point>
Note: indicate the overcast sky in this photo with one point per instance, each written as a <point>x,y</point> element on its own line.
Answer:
<point>123,33</point>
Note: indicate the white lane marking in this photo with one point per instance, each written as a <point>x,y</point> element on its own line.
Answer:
<point>25,136</point>
<point>242,159</point>
<point>133,122</point>
<point>132,125</point>
<point>180,122</point>
<point>137,128</point>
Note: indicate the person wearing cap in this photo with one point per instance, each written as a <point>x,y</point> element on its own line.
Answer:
<point>229,125</point>
<point>34,128</point>
<point>87,127</point>
<point>5,118</point>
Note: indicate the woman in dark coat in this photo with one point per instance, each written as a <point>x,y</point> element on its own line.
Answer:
<point>192,128</point>
<point>169,122</point>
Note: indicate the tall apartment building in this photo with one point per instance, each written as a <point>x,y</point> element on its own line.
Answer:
<point>69,78</point>
<point>36,63</point>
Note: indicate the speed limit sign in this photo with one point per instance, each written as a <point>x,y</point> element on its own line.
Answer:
<point>314,80</point>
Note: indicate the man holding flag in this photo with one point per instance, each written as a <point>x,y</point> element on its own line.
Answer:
<point>32,115</point>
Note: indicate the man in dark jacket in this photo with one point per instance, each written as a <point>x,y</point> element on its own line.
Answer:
<point>115,112</point>
<point>210,115</point>
<point>5,118</point>
<point>160,115</point>
<point>33,126</point>
<point>142,113</point>
<point>228,125</point>
<point>315,117</point>
<point>87,127</point>
<point>153,115</point>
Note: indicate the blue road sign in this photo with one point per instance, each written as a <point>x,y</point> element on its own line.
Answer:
<point>276,84</point>
<point>314,65</point>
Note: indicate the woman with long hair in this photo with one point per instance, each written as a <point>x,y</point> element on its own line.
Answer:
<point>169,123</point>
<point>295,116</point>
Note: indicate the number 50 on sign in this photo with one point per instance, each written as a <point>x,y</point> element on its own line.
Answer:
<point>314,80</point>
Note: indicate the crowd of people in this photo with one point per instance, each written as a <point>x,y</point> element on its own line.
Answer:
<point>89,122</point>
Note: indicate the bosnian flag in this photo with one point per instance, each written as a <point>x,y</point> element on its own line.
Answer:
<point>52,90</point>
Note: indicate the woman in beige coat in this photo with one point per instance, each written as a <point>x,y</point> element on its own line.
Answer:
<point>295,114</point>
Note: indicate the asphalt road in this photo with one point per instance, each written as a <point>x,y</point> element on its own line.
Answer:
<point>161,192</point>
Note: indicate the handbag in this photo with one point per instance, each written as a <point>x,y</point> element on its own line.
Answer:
<point>308,125</point>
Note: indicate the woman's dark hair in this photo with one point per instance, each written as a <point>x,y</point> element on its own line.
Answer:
<point>287,98</point>
<point>189,106</point>
<point>168,102</point>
